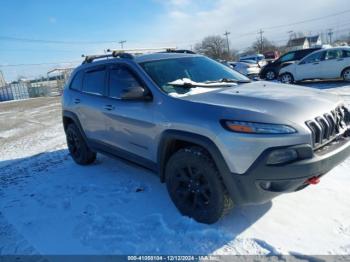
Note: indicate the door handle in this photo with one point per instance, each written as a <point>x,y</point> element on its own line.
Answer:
<point>76,101</point>
<point>340,59</point>
<point>316,63</point>
<point>109,107</point>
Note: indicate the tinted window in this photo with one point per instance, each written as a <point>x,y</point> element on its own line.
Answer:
<point>313,58</point>
<point>77,81</point>
<point>346,53</point>
<point>94,81</point>
<point>121,78</point>
<point>302,53</point>
<point>333,54</point>
<point>287,57</point>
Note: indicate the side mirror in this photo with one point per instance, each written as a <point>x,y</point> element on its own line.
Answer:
<point>134,93</point>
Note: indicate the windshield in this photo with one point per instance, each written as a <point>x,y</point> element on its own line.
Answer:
<point>197,69</point>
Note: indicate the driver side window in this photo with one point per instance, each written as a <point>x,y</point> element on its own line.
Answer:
<point>121,78</point>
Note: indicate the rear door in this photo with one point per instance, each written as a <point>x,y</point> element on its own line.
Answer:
<point>333,63</point>
<point>130,123</point>
<point>92,101</point>
<point>310,67</point>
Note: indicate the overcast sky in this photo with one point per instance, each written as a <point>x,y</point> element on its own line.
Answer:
<point>148,23</point>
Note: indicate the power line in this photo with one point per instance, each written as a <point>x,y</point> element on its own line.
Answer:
<point>308,20</point>
<point>40,64</point>
<point>47,41</point>
<point>295,23</point>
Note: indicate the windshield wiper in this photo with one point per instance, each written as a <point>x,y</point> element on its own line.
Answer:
<point>230,80</point>
<point>188,83</point>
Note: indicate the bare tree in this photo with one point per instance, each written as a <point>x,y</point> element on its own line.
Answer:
<point>214,47</point>
<point>261,46</point>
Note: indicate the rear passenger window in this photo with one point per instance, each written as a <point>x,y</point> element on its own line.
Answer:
<point>77,81</point>
<point>121,78</point>
<point>94,81</point>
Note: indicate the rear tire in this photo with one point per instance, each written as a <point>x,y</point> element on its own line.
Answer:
<point>346,74</point>
<point>287,78</point>
<point>77,146</point>
<point>195,187</point>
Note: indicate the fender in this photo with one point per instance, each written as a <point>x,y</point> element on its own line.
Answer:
<point>170,136</point>
<point>342,72</point>
<point>75,120</point>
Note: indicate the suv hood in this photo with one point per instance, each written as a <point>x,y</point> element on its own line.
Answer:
<point>296,103</point>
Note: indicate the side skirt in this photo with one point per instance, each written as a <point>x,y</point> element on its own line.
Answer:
<point>116,152</point>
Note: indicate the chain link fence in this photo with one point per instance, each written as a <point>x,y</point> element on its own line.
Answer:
<point>50,86</point>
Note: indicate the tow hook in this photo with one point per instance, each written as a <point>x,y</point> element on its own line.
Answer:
<point>313,180</point>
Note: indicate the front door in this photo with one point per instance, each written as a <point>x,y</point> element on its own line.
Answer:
<point>129,123</point>
<point>310,67</point>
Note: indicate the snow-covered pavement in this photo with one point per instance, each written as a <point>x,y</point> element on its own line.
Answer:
<point>50,205</point>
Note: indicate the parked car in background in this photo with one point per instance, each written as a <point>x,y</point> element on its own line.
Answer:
<point>257,58</point>
<point>271,70</point>
<point>272,55</point>
<point>250,70</point>
<point>323,64</point>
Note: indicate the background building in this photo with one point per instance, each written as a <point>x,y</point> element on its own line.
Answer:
<point>304,42</point>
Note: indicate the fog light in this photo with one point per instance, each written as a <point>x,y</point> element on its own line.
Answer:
<point>265,185</point>
<point>281,156</point>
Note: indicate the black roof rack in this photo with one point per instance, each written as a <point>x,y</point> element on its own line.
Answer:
<point>114,54</point>
<point>127,53</point>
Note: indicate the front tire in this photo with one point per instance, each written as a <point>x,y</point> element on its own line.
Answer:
<point>77,146</point>
<point>287,78</point>
<point>346,74</point>
<point>195,187</point>
<point>270,75</point>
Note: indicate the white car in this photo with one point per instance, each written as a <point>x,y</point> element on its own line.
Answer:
<point>247,69</point>
<point>328,63</point>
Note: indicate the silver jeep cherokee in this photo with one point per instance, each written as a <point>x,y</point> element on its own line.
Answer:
<point>216,138</point>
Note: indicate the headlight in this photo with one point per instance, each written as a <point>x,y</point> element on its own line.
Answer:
<point>257,128</point>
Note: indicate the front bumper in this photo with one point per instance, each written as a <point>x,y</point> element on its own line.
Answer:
<point>253,76</point>
<point>263,182</point>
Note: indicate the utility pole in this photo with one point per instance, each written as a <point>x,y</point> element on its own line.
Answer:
<point>228,45</point>
<point>291,33</point>
<point>330,34</point>
<point>2,79</point>
<point>261,40</point>
<point>122,44</point>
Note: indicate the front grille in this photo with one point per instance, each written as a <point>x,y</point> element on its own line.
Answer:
<point>326,128</point>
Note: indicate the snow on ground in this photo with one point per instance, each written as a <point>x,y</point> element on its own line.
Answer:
<point>50,205</point>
